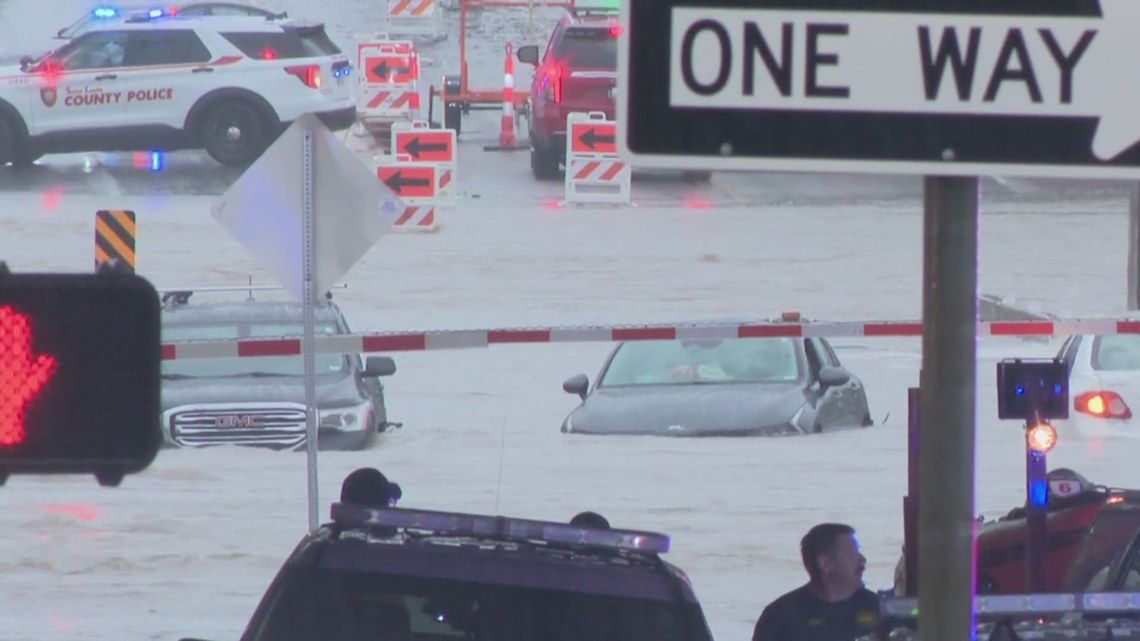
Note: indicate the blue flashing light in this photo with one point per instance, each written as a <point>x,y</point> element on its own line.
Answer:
<point>1020,391</point>
<point>105,12</point>
<point>1039,493</point>
<point>1058,389</point>
<point>154,13</point>
<point>343,72</point>
<point>157,162</point>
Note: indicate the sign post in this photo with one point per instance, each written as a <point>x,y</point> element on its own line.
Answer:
<point>948,89</point>
<point>308,310</point>
<point>275,219</point>
<point>946,527</point>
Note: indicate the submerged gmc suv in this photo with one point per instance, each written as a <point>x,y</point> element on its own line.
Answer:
<point>398,574</point>
<point>260,401</point>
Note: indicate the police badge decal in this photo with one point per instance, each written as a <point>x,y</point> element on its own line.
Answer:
<point>49,95</point>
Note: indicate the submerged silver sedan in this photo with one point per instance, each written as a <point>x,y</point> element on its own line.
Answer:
<point>719,387</point>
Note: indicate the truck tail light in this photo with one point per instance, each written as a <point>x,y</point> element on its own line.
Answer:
<point>308,74</point>
<point>1102,404</point>
<point>554,84</point>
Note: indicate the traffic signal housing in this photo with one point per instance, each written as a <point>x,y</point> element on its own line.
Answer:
<point>80,359</point>
<point>1032,389</point>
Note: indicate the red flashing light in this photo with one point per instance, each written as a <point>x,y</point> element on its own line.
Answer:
<point>1102,404</point>
<point>308,74</point>
<point>51,71</point>
<point>615,31</point>
<point>790,317</point>
<point>554,83</point>
<point>268,54</point>
<point>22,374</point>
<point>173,11</point>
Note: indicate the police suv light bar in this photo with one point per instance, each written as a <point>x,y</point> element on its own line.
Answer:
<point>1026,604</point>
<point>499,527</point>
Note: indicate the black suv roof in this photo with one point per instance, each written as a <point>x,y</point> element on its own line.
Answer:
<point>177,310</point>
<point>533,553</point>
<point>374,571</point>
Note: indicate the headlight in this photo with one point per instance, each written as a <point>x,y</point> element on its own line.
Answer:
<point>351,419</point>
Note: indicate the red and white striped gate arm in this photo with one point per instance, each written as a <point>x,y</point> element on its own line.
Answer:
<point>482,338</point>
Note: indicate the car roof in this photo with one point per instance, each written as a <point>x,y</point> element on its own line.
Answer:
<point>246,312</point>
<point>592,16</point>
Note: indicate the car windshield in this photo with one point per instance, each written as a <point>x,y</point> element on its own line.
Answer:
<point>245,366</point>
<point>735,360</point>
<point>320,604</point>
<point>588,48</point>
<point>1116,353</point>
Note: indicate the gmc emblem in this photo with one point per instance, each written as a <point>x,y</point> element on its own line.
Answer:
<point>245,420</point>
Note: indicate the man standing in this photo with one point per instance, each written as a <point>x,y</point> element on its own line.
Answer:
<point>834,605</point>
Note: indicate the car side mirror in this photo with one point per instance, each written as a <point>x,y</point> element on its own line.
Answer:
<point>528,54</point>
<point>379,366</point>
<point>577,384</point>
<point>833,376</point>
<point>59,34</point>
<point>25,62</point>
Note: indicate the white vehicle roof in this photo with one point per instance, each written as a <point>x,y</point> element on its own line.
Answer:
<point>219,23</point>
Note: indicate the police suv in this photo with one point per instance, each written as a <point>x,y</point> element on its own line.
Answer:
<point>228,85</point>
<point>398,574</point>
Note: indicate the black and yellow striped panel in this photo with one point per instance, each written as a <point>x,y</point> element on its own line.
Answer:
<point>115,237</point>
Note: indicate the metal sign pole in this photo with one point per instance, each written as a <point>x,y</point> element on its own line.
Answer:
<point>946,563</point>
<point>308,341</point>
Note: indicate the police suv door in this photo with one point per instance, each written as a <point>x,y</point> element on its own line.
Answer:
<point>80,86</point>
<point>162,83</point>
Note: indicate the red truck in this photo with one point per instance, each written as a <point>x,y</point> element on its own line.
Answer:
<point>1093,542</point>
<point>576,73</point>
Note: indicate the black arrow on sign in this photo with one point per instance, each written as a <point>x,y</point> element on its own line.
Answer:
<point>397,182</point>
<point>591,137</point>
<point>415,147</point>
<point>383,70</point>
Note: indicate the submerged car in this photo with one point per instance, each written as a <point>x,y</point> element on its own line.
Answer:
<point>399,574</point>
<point>719,387</point>
<point>1093,542</point>
<point>260,401</point>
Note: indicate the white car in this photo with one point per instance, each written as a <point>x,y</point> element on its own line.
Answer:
<point>1104,385</point>
<point>228,85</point>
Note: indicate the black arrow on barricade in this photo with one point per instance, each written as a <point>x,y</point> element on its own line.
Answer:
<point>415,147</point>
<point>397,182</point>
<point>591,138</point>
<point>383,70</point>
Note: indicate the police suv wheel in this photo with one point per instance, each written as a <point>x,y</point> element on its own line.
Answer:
<point>7,142</point>
<point>233,133</point>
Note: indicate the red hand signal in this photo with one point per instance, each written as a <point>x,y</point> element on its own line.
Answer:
<point>22,375</point>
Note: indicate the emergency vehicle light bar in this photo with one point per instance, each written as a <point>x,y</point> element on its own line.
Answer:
<point>1027,604</point>
<point>499,527</point>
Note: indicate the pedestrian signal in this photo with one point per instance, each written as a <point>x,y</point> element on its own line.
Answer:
<point>80,358</point>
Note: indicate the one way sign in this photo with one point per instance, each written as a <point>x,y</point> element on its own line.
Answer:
<point>936,87</point>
